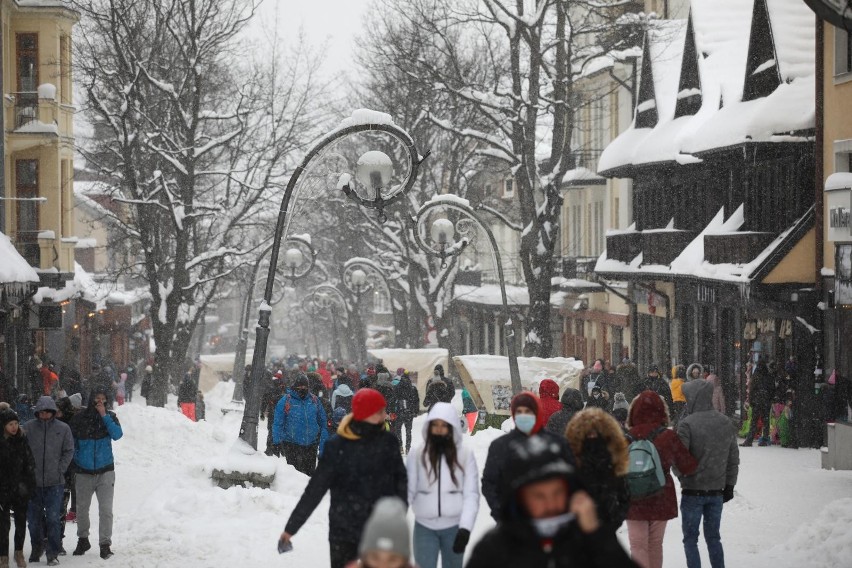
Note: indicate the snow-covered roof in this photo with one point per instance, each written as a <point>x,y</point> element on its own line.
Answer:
<point>582,176</point>
<point>722,29</point>
<point>691,261</point>
<point>838,180</point>
<point>489,295</point>
<point>14,268</point>
<point>85,287</point>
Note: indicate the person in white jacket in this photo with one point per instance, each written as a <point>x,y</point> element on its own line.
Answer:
<point>443,490</point>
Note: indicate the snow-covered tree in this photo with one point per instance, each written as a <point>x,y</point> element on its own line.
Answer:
<point>194,137</point>
<point>515,65</point>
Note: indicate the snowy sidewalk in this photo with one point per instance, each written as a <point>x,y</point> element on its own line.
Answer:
<point>787,511</point>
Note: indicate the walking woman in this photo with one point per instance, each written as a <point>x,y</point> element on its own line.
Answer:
<point>443,490</point>
<point>17,483</point>
<point>648,419</point>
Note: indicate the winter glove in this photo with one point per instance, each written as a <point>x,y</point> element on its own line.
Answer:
<point>462,536</point>
<point>728,494</point>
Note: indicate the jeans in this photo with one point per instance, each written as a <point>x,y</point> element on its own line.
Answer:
<point>101,485</point>
<point>342,552</point>
<point>692,509</point>
<point>428,544</point>
<point>646,542</point>
<point>399,423</point>
<point>46,502</point>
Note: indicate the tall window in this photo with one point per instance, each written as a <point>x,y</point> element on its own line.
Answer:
<point>598,238</point>
<point>27,56</point>
<point>65,69</point>
<point>842,52</point>
<point>26,186</point>
<point>508,188</point>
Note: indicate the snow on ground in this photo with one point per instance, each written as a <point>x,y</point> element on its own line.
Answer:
<point>787,511</point>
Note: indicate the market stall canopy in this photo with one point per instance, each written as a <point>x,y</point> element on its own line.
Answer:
<point>420,363</point>
<point>487,377</point>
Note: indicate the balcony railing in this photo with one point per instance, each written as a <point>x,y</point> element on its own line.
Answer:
<point>735,248</point>
<point>662,247</point>
<point>26,108</point>
<point>624,246</point>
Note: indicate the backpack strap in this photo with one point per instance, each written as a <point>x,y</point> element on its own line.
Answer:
<point>287,404</point>
<point>656,433</point>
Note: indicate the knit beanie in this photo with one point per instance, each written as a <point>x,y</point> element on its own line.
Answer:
<point>527,399</point>
<point>7,415</point>
<point>620,402</point>
<point>367,402</point>
<point>387,529</point>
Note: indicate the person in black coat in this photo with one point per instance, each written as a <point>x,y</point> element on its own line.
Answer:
<point>546,519</point>
<point>525,412</point>
<point>17,483</point>
<point>652,382</point>
<point>359,465</point>
<point>407,407</point>
<point>760,392</point>
<point>572,403</point>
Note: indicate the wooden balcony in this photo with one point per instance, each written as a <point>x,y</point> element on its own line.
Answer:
<point>624,246</point>
<point>735,248</point>
<point>663,246</point>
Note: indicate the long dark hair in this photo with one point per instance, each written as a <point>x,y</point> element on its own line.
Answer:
<point>434,452</point>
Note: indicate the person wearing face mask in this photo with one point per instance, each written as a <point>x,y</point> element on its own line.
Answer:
<point>443,489</point>
<point>600,448</point>
<point>525,413</point>
<point>386,539</point>
<point>360,464</point>
<point>299,426</point>
<point>546,520</point>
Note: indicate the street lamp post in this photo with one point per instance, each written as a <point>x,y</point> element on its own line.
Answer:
<point>448,239</point>
<point>321,298</point>
<point>360,275</point>
<point>299,249</point>
<point>324,166</point>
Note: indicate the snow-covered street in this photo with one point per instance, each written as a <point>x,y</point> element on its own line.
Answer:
<point>787,511</point>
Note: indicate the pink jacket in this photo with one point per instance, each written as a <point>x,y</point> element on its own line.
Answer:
<point>718,393</point>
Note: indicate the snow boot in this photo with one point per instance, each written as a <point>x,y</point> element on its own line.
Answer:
<point>35,555</point>
<point>105,551</point>
<point>19,559</point>
<point>82,546</point>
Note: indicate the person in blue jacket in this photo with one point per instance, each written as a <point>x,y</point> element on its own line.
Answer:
<point>94,430</point>
<point>300,426</point>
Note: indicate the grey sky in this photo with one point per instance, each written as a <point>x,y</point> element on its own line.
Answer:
<point>333,21</point>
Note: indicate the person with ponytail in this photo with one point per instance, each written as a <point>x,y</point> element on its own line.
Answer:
<point>443,490</point>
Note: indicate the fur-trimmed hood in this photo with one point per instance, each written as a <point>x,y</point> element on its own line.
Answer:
<point>595,421</point>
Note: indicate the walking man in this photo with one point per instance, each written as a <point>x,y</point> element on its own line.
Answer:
<point>360,464</point>
<point>300,426</point>
<point>94,430</point>
<point>711,438</point>
<point>53,449</point>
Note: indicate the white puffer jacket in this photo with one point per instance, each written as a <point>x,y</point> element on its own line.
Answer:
<point>439,503</point>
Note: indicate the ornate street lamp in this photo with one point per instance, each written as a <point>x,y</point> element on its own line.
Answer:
<point>361,275</point>
<point>448,240</point>
<point>320,299</point>
<point>378,181</point>
<point>299,250</point>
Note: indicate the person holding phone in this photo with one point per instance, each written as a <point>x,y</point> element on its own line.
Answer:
<point>94,430</point>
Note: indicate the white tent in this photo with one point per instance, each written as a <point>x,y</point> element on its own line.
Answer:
<point>420,363</point>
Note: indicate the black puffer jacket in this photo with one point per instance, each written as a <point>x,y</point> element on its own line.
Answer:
<point>572,403</point>
<point>359,465</point>
<point>498,453</point>
<point>656,384</point>
<point>407,398</point>
<point>17,470</point>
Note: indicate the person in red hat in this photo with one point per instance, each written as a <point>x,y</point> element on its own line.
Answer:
<point>361,464</point>
<point>529,421</point>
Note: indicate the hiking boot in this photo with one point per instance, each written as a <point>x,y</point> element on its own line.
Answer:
<point>4,562</point>
<point>19,559</point>
<point>746,444</point>
<point>105,551</point>
<point>54,561</point>
<point>35,555</point>
<point>82,546</point>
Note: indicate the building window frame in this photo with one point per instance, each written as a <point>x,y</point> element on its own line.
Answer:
<point>27,210</point>
<point>23,52</point>
<point>508,188</point>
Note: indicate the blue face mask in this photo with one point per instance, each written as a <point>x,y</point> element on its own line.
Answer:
<point>525,422</point>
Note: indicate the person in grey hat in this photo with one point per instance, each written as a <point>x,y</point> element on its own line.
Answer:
<point>386,542</point>
<point>52,446</point>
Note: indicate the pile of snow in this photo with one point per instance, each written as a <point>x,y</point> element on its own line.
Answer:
<point>14,268</point>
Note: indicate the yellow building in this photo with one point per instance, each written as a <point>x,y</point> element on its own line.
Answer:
<point>38,138</point>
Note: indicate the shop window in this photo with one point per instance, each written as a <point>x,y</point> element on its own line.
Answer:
<point>843,275</point>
